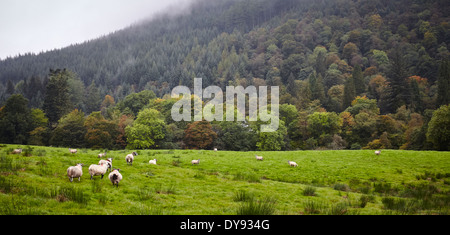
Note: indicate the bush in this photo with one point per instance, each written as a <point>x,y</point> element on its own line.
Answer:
<point>337,143</point>
<point>375,144</point>
<point>355,146</point>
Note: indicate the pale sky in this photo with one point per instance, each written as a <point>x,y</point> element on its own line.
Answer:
<point>41,25</point>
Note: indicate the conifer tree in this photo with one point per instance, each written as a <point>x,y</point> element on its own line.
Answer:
<point>349,92</point>
<point>317,88</point>
<point>358,80</point>
<point>57,102</point>
<point>398,88</point>
<point>444,83</point>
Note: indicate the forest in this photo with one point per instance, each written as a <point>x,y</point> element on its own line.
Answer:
<point>352,74</point>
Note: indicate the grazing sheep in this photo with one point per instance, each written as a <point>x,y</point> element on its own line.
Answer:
<point>115,177</point>
<point>259,158</point>
<point>100,155</point>
<point>97,170</point>
<point>72,150</point>
<point>17,151</point>
<point>378,152</point>
<point>108,162</point>
<point>215,149</point>
<point>294,164</point>
<point>75,172</point>
<point>130,157</point>
<point>153,161</point>
<point>195,162</point>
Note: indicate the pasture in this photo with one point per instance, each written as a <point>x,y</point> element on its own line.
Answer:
<point>226,183</point>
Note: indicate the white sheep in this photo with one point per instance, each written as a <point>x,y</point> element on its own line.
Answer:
<point>153,161</point>
<point>97,170</point>
<point>72,150</point>
<point>378,152</point>
<point>108,162</point>
<point>17,151</point>
<point>259,158</point>
<point>100,155</point>
<point>294,164</point>
<point>195,162</point>
<point>130,158</point>
<point>115,177</point>
<point>215,149</point>
<point>75,172</point>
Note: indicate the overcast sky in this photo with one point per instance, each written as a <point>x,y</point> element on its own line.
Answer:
<point>41,25</point>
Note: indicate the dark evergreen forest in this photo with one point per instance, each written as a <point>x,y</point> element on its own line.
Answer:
<point>352,74</point>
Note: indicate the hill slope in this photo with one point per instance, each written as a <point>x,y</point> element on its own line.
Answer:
<point>239,40</point>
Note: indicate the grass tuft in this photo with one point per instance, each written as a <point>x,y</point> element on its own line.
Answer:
<point>266,206</point>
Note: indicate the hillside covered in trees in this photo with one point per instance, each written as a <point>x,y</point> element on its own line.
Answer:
<point>352,74</point>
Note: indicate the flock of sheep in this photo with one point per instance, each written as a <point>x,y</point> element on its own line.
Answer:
<point>115,177</point>
<point>105,165</point>
<point>99,169</point>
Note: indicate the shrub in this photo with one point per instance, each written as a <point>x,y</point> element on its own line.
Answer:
<point>355,146</point>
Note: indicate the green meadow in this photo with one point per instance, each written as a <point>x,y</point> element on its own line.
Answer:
<point>354,182</point>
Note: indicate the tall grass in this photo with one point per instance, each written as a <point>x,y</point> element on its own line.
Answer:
<point>243,196</point>
<point>72,193</point>
<point>313,207</point>
<point>265,206</point>
<point>309,191</point>
<point>400,205</point>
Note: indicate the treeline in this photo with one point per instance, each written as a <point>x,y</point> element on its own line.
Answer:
<point>143,121</point>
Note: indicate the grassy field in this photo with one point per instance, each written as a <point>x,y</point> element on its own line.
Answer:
<point>227,183</point>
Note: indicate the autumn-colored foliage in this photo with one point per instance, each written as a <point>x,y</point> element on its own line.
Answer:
<point>199,135</point>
